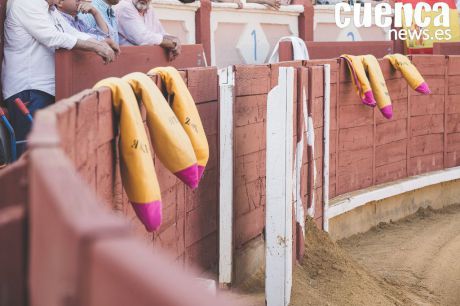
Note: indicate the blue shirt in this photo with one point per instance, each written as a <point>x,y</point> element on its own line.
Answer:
<point>80,25</point>
<point>107,13</point>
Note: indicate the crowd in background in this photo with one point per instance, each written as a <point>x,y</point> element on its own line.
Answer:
<point>34,29</point>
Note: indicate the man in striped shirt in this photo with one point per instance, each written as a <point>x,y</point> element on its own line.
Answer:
<point>69,9</point>
<point>105,7</point>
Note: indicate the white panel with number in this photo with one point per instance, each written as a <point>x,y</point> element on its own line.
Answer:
<point>248,35</point>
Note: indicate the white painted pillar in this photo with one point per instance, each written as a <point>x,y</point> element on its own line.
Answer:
<point>226,87</point>
<point>278,275</point>
<point>327,116</point>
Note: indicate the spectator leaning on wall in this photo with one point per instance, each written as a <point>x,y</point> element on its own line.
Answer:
<point>106,8</point>
<point>33,30</point>
<point>69,9</point>
<point>138,25</point>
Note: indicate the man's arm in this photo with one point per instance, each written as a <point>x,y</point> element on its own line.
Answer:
<point>238,2</point>
<point>101,48</point>
<point>276,4</point>
<point>35,20</point>
<point>34,17</point>
<point>88,8</point>
<point>86,37</point>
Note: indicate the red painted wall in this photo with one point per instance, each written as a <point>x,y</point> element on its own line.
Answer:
<point>75,251</point>
<point>13,229</point>
<point>421,136</point>
<point>365,148</point>
<point>79,70</point>
<point>189,230</point>
<point>334,49</point>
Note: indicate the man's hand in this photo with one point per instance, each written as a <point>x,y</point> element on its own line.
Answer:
<point>106,52</point>
<point>99,47</point>
<point>173,45</point>
<point>86,7</point>
<point>239,3</point>
<point>167,42</point>
<point>115,47</point>
<point>275,4</point>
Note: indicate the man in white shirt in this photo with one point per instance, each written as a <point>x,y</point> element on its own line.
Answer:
<point>138,25</point>
<point>33,30</point>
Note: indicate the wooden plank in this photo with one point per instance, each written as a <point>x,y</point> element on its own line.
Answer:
<point>312,173</point>
<point>252,80</point>
<point>430,64</point>
<point>453,142</point>
<point>428,104</point>
<point>336,134</point>
<point>355,115</point>
<point>453,104</point>
<point>77,70</point>
<point>390,172</point>
<point>333,49</point>
<point>326,133</point>
<point>226,170</point>
<point>429,124</point>
<point>300,178</point>
<point>454,64</point>
<point>196,77</point>
<point>444,117</point>
<point>409,129</point>
<point>426,163</point>
<point>426,144</point>
<point>356,138</point>
<point>249,139</point>
<point>13,234</point>
<point>279,191</point>
<point>390,152</point>
<point>391,131</point>
<point>250,109</point>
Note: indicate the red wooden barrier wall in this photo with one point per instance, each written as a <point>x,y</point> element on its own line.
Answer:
<point>365,148</point>
<point>447,48</point>
<point>87,255</point>
<point>421,136</point>
<point>189,230</point>
<point>79,70</point>
<point>334,49</point>
<point>252,86</point>
<point>13,228</point>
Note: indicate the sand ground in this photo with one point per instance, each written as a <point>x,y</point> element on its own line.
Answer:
<point>415,261</point>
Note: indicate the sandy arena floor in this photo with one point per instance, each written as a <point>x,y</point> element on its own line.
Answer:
<point>415,261</point>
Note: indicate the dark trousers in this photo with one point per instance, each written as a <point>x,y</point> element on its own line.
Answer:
<point>34,100</point>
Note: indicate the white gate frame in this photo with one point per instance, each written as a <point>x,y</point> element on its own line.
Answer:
<point>278,275</point>
<point>226,101</point>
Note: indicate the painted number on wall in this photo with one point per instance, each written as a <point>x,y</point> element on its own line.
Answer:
<point>254,36</point>
<point>351,35</point>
